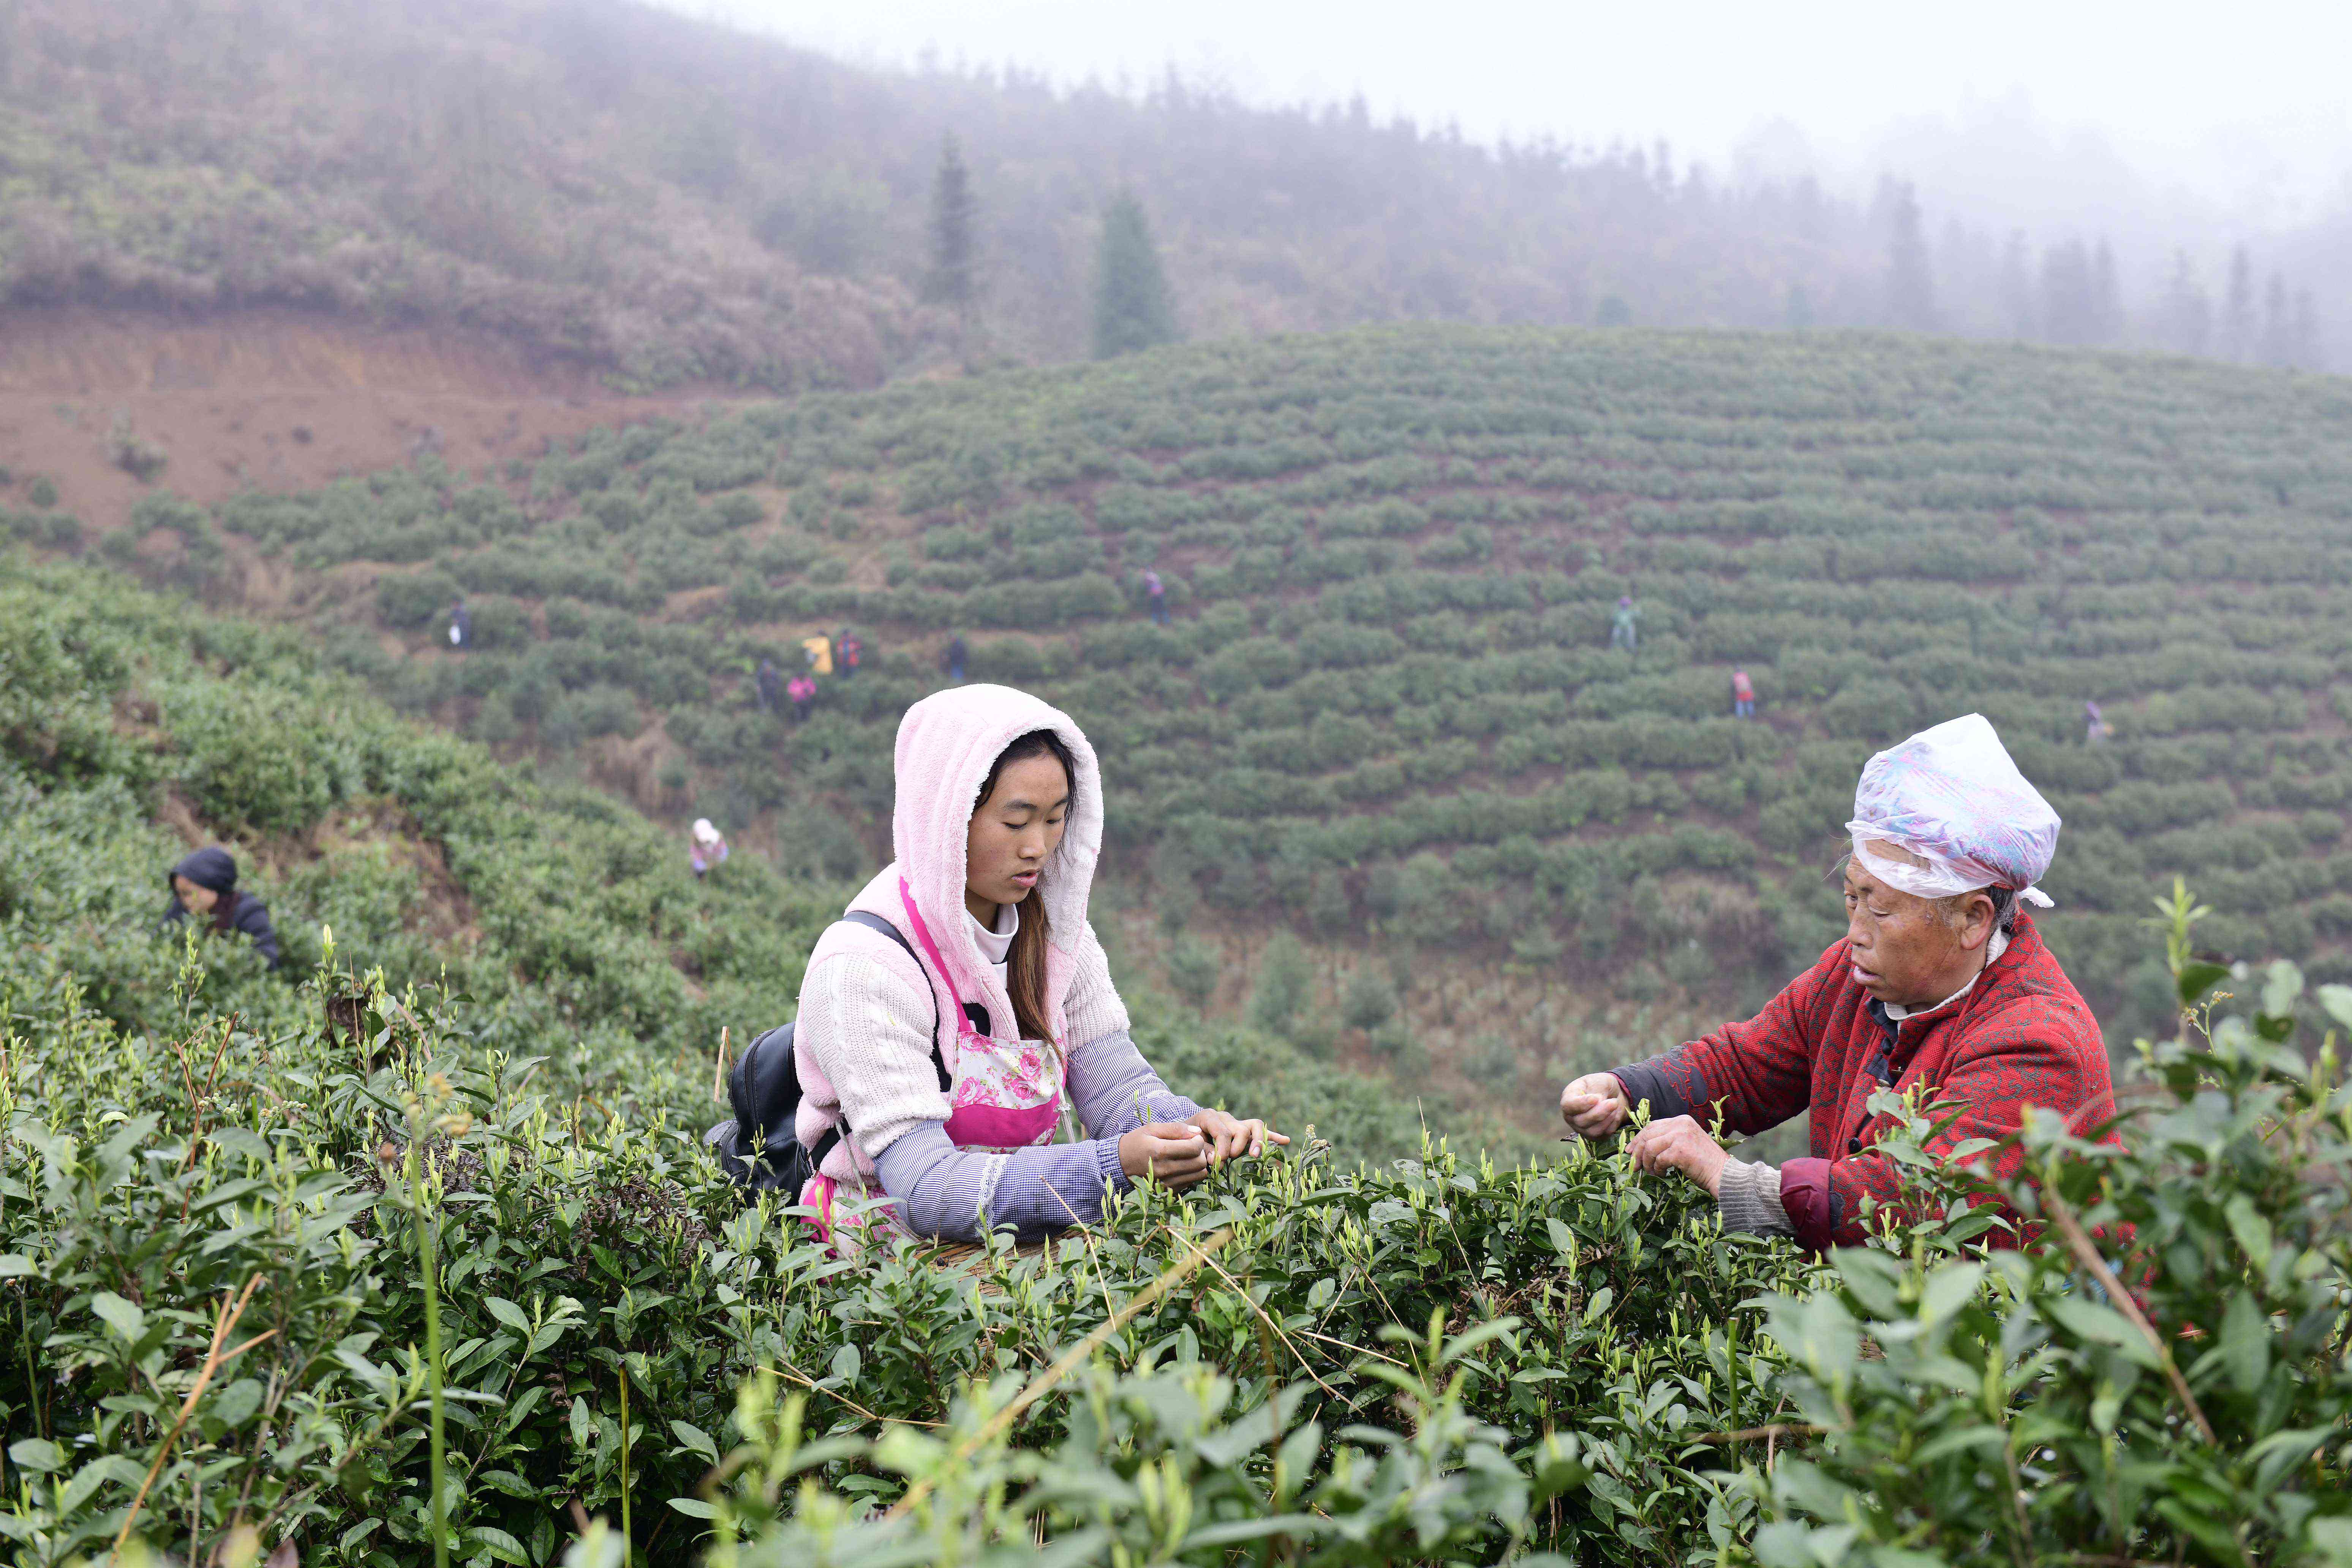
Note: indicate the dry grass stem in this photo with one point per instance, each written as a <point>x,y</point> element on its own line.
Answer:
<point>1045,1381</point>
<point>214,1359</point>
<point>2079,1242</point>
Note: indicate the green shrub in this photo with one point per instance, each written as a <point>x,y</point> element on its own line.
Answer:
<point>1192,969</point>
<point>567,619</point>
<point>411,599</point>
<point>1369,999</point>
<point>1284,984</point>
<point>604,710</point>
<point>498,622</point>
<point>1395,553</point>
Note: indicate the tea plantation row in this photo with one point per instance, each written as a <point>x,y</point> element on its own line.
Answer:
<point>1387,699</point>
<point>275,1253</point>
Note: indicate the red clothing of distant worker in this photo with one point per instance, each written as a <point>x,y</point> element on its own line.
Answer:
<point>2021,1035</point>
<point>1742,689</point>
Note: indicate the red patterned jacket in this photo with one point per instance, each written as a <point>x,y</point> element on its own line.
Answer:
<point>2020,1034</point>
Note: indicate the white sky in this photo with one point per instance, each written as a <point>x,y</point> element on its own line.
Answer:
<point>2248,105</point>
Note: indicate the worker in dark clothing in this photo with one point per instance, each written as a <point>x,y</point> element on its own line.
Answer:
<point>205,884</point>
<point>1155,594</point>
<point>771,681</point>
<point>956,657</point>
<point>461,625</point>
<point>851,651</point>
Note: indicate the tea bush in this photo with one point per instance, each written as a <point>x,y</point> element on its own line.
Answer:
<point>278,1252</point>
<point>1422,531</point>
<point>178,1120</point>
<point>1934,1403</point>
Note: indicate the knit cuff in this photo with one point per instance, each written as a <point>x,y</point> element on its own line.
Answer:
<point>1748,1198</point>
<point>1107,1166</point>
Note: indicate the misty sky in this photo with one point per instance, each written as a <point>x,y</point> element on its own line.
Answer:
<point>2247,106</point>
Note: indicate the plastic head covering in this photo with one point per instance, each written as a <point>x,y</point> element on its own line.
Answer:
<point>1623,600</point>
<point>1964,818</point>
<point>703,832</point>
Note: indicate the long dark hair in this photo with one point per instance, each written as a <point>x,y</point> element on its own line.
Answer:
<point>1024,969</point>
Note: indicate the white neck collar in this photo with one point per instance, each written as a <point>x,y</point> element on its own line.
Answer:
<point>997,946</point>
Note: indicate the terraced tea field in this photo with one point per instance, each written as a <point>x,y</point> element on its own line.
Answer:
<point>516,1314</point>
<point>1386,704</point>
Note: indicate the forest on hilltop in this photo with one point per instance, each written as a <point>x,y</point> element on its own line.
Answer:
<point>1386,713</point>
<point>674,203</point>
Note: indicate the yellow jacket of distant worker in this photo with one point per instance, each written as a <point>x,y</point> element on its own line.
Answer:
<point>820,654</point>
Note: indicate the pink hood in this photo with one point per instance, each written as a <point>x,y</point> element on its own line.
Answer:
<point>947,743</point>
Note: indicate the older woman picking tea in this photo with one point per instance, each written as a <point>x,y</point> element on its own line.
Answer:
<point>1942,981</point>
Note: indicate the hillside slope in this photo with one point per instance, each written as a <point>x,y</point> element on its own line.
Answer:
<point>666,201</point>
<point>134,728</point>
<point>465,166</point>
<point>490,1083</point>
<point>1387,706</point>
<point>104,405</point>
<point>370,1275</point>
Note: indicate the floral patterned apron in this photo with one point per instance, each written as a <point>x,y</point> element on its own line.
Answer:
<point>1006,1094</point>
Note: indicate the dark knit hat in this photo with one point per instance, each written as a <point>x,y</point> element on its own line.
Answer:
<point>210,867</point>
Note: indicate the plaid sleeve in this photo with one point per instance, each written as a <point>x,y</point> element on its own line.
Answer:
<point>1758,1072</point>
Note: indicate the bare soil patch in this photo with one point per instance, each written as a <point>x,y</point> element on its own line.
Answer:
<point>277,399</point>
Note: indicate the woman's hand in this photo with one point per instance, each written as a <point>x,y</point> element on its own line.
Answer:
<point>1230,1137</point>
<point>1173,1154</point>
<point>1594,1105</point>
<point>1680,1143</point>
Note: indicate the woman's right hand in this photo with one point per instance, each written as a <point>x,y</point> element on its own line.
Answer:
<point>1173,1154</point>
<point>1594,1105</point>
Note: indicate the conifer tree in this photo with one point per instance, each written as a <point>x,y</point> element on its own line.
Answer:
<point>953,280</point>
<point>2017,287</point>
<point>2237,315</point>
<point>2069,297</point>
<point>2188,314</point>
<point>2278,326</point>
<point>1133,308</point>
<point>2106,319</point>
<point>2308,356</point>
<point>1910,287</point>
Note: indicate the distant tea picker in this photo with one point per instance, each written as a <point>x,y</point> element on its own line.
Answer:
<point>203,884</point>
<point>1940,980</point>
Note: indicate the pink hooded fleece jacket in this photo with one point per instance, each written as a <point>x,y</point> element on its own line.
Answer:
<point>870,1015</point>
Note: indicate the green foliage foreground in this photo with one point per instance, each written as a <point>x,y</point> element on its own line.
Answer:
<point>223,1199</point>
<point>1939,1403</point>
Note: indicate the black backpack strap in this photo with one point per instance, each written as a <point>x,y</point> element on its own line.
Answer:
<point>873,921</point>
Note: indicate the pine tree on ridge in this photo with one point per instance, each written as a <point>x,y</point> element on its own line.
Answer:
<point>1133,307</point>
<point>954,277</point>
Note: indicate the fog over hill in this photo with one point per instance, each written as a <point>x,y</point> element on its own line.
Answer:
<point>2158,132</point>
<point>673,201</point>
